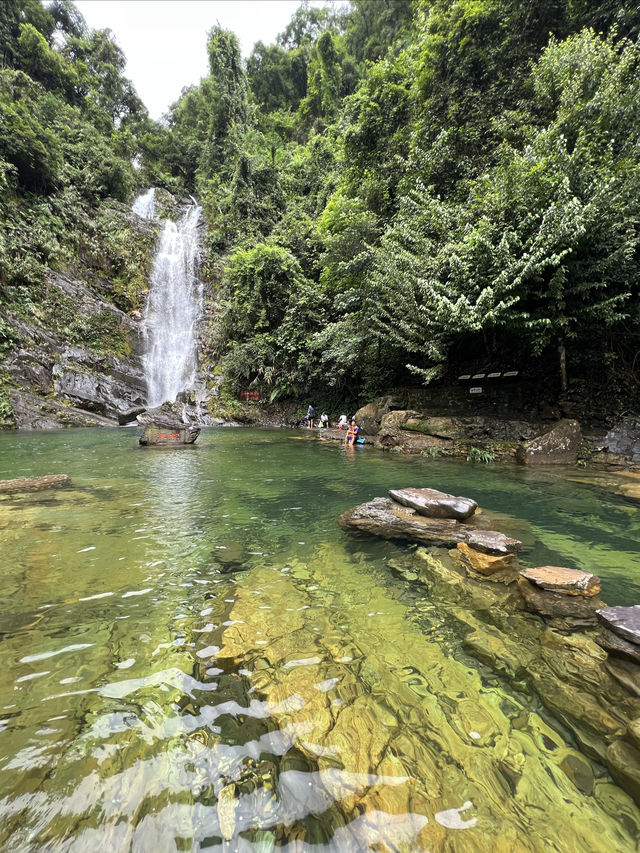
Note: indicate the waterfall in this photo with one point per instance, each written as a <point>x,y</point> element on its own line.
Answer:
<point>145,204</point>
<point>174,305</point>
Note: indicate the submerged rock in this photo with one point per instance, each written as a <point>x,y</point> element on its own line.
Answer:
<point>435,504</point>
<point>559,446</point>
<point>626,672</point>
<point>35,484</point>
<point>563,580</point>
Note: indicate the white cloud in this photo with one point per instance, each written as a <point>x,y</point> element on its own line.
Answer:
<point>165,40</point>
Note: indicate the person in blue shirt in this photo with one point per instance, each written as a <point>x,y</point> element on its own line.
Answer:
<point>310,413</point>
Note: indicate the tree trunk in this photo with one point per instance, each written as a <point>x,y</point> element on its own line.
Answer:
<point>562,353</point>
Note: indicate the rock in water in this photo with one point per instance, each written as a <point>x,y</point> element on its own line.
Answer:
<point>164,426</point>
<point>435,504</point>
<point>564,580</point>
<point>492,542</point>
<point>36,484</point>
<point>384,517</point>
<point>623,621</point>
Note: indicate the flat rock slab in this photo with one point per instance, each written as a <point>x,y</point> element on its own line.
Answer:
<point>434,504</point>
<point>35,484</point>
<point>563,580</point>
<point>623,621</point>
<point>384,517</point>
<point>390,520</point>
<point>492,542</point>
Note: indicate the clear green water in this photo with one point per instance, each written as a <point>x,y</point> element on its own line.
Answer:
<point>196,657</point>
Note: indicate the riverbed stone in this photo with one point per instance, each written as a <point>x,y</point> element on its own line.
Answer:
<point>559,446</point>
<point>623,621</point>
<point>618,647</point>
<point>35,484</point>
<point>485,564</point>
<point>563,580</point>
<point>626,673</point>
<point>434,504</point>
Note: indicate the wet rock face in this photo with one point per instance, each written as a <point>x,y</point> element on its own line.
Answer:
<point>56,384</point>
<point>559,446</point>
<point>434,504</point>
<point>563,580</point>
<point>31,411</point>
<point>104,384</point>
<point>624,439</point>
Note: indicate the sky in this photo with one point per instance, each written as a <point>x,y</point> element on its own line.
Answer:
<point>165,40</point>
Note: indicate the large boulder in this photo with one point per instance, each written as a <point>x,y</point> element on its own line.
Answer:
<point>559,446</point>
<point>370,416</point>
<point>435,504</point>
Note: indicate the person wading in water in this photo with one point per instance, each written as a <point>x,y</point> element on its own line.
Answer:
<point>352,432</point>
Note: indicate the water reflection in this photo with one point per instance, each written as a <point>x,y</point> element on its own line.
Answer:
<point>226,670</point>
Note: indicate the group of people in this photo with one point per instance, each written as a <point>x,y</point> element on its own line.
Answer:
<point>344,423</point>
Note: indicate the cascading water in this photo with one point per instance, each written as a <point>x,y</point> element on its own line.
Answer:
<point>173,307</point>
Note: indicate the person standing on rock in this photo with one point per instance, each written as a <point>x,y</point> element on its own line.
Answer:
<point>352,432</point>
<point>310,413</point>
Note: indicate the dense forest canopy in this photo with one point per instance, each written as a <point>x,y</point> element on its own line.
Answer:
<point>394,191</point>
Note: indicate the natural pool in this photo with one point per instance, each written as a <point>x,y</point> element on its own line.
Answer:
<point>196,657</point>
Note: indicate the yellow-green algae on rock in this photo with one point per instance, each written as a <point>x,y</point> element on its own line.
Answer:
<point>422,741</point>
